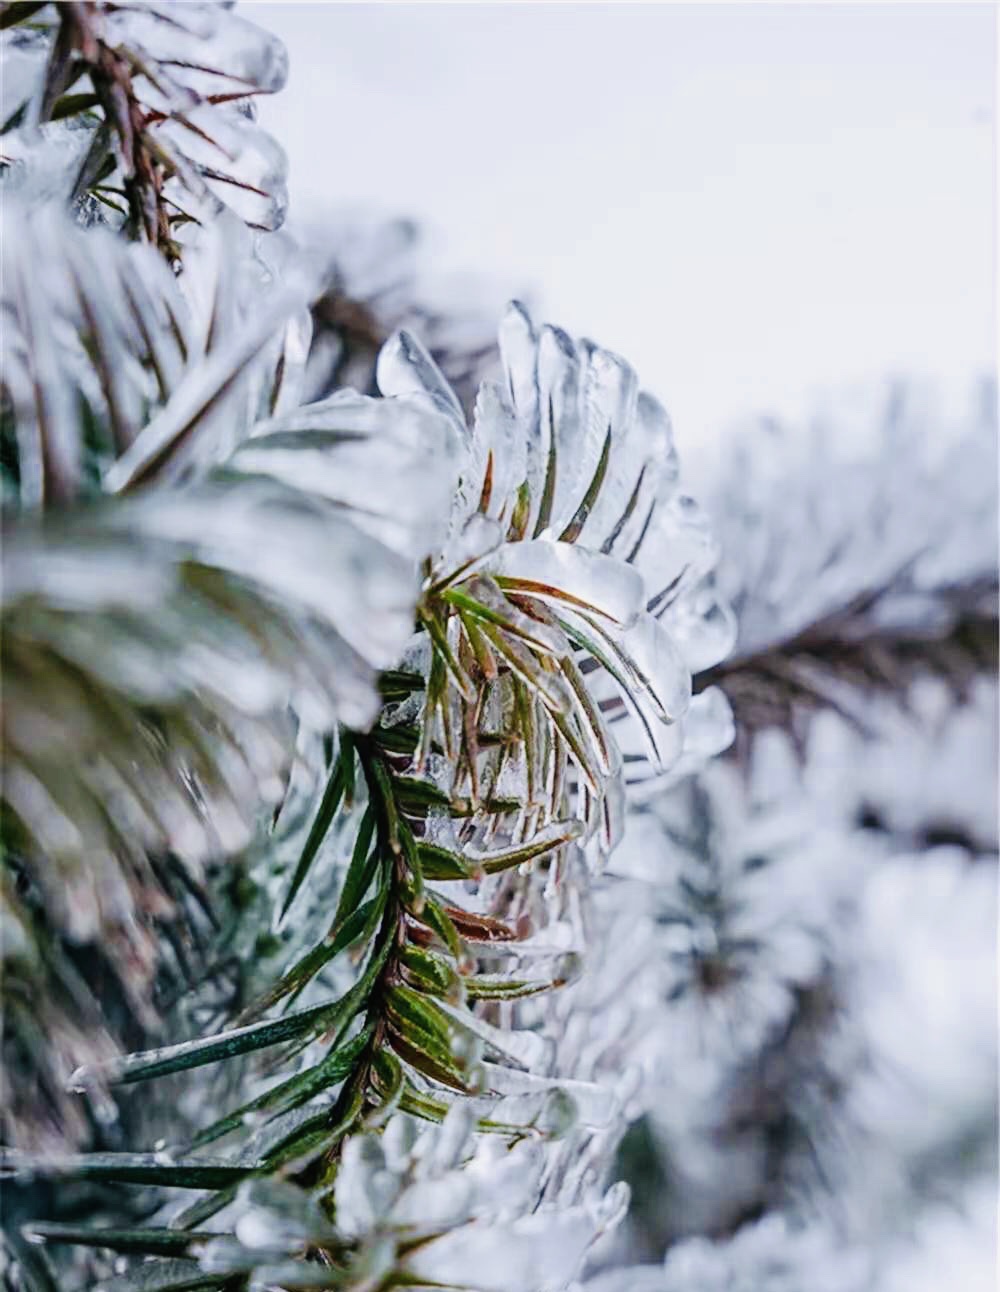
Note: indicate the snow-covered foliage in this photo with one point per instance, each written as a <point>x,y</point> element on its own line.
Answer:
<point>861,551</point>
<point>817,911</point>
<point>142,113</point>
<point>379,278</point>
<point>377,889</point>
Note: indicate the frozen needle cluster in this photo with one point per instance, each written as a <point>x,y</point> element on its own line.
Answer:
<point>375,889</point>
<point>334,702</point>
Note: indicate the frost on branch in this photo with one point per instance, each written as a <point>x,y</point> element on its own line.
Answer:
<point>117,373</point>
<point>571,589</point>
<point>381,279</point>
<point>146,110</point>
<point>792,1027</point>
<point>801,1054</point>
<point>454,836</point>
<point>861,553</point>
<point>163,599</point>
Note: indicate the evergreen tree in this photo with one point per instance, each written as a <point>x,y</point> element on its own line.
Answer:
<point>377,890</point>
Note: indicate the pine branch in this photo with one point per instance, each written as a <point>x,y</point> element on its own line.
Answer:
<point>491,755</point>
<point>841,660</point>
<point>117,373</point>
<point>199,564</point>
<point>376,285</point>
<point>156,115</point>
<point>152,642</point>
<point>841,597</point>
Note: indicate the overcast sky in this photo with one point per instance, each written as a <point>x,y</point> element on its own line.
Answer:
<point>749,202</point>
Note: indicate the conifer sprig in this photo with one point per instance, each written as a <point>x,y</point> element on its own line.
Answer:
<point>153,105</point>
<point>492,757</point>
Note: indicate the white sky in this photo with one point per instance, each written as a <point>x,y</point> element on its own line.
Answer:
<point>749,202</point>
